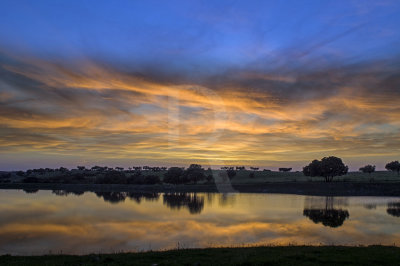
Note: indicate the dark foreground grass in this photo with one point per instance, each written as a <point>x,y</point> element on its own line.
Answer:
<point>289,255</point>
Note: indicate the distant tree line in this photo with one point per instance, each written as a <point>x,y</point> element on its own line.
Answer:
<point>327,168</point>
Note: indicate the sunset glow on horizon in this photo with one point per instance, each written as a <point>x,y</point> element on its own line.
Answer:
<point>230,84</point>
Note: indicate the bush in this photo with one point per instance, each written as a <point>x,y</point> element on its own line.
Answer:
<point>251,175</point>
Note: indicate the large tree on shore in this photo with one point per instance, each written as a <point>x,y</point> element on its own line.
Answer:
<point>328,167</point>
<point>393,166</point>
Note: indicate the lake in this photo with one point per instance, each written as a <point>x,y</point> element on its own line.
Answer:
<point>43,222</point>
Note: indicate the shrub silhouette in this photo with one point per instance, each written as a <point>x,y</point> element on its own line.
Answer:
<point>368,169</point>
<point>285,169</point>
<point>328,167</point>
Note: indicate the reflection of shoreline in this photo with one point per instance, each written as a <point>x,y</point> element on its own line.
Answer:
<point>88,224</point>
<point>298,188</point>
<point>328,215</point>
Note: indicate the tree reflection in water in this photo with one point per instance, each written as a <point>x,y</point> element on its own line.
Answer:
<point>191,201</point>
<point>138,197</point>
<point>117,197</point>
<point>68,192</point>
<point>393,209</point>
<point>328,216</point>
<point>112,197</point>
<point>30,190</point>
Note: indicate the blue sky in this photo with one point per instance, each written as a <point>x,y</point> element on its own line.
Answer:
<point>194,34</point>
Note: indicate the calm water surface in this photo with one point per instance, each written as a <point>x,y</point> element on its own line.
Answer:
<point>42,222</point>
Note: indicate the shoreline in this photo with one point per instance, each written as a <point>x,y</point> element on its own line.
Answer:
<point>262,255</point>
<point>298,188</point>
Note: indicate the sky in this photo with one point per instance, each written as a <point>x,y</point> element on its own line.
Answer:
<point>256,83</point>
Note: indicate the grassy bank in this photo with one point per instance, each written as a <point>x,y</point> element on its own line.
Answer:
<point>291,255</point>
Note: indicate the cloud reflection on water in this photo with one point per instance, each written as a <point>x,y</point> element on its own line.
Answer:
<point>40,222</point>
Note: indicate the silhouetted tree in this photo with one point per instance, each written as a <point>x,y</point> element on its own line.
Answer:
<point>194,173</point>
<point>313,169</point>
<point>81,168</point>
<point>368,169</point>
<point>328,167</point>
<point>393,166</point>
<point>285,169</point>
<point>174,175</point>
